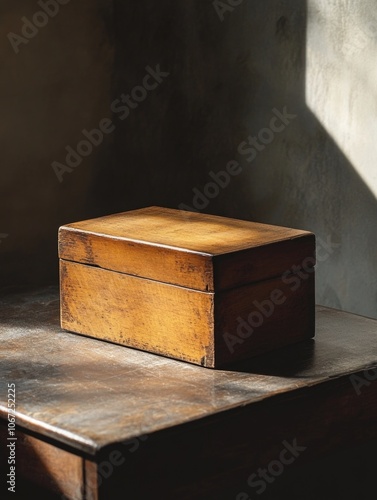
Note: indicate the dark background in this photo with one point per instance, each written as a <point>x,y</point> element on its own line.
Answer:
<point>225,78</point>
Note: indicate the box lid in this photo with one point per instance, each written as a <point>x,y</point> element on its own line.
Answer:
<point>194,250</point>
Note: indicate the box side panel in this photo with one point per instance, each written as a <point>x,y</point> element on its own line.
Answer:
<point>263,262</point>
<point>257,318</point>
<point>136,312</point>
<point>183,268</point>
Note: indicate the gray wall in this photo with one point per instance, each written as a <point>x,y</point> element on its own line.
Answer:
<point>227,79</point>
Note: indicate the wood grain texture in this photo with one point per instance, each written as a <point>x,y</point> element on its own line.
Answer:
<point>183,248</point>
<point>202,328</point>
<point>257,318</point>
<point>148,315</point>
<point>196,252</point>
<point>167,265</point>
<point>88,394</point>
<point>47,466</point>
<point>93,478</point>
<point>223,451</point>
<point>263,262</point>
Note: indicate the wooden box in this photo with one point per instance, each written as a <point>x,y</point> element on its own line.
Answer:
<point>200,288</point>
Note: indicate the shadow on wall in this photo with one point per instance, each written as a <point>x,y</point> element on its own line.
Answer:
<point>235,83</point>
<point>55,81</point>
<point>231,71</point>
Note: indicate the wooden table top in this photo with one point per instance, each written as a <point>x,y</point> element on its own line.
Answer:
<point>88,394</point>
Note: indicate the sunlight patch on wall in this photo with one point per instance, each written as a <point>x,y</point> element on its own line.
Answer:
<point>341,79</point>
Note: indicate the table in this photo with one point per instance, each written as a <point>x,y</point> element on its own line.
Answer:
<point>100,421</point>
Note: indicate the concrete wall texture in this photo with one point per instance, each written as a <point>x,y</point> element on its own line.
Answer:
<point>285,90</point>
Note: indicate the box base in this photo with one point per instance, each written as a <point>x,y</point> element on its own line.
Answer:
<point>204,328</point>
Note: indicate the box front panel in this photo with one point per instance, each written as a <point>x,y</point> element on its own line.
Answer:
<point>258,318</point>
<point>168,265</point>
<point>145,314</point>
